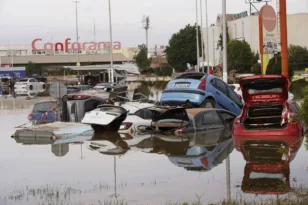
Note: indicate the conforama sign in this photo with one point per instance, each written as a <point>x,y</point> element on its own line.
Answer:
<point>75,46</point>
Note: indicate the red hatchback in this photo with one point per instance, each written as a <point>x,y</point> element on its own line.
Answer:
<point>267,114</point>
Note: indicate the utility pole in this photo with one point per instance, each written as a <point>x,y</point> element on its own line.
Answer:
<point>284,38</point>
<point>202,37</point>
<point>207,39</point>
<point>94,31</point>
<point>224,40</point>
<point>77,38</point>
<point>146,26</point>
<point>111,44</point>
<point>197,33</point>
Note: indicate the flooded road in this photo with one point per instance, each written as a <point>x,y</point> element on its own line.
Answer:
<point>146,174</point>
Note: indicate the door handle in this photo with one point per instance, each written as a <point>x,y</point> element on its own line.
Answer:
<point>232,104</point>
<point>217,93</point>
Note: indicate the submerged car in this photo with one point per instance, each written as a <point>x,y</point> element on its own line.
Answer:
<point>29,84</point>
<point>201,90</point>
<point>43,112</point>
<point>267,113</point>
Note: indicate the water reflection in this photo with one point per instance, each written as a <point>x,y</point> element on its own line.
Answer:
<point>267,169</point>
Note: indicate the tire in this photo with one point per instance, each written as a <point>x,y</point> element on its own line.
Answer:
<point>207,103</point>
<point>44,86</point>
<point>31,87</point>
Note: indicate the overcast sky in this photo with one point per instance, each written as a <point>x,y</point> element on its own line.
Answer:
<point>23,20</point>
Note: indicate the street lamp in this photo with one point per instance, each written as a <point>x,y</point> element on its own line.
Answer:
<point>111,43</point>
<point>77,38</point>
<point>207,38</point>
<point>224,40</point>
<point>197,37</point>
<point>202,36</point>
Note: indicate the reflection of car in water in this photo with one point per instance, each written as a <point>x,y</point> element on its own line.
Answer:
<point>267,169</point>
<point>201,90</point>
<point>267,114</point>
<point>199,152</point>
<point>43,112</point>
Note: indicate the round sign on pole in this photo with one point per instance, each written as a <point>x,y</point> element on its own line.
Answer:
<point>269,18</point>
<point>57,90</point>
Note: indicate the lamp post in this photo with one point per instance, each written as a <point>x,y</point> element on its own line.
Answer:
<point>197,37</point>
<point>111,44</point>
<point>213,47</point>
<point>202,36</point>
<point>207,38</point>
<point>77,38</point>
<point>224,26</point>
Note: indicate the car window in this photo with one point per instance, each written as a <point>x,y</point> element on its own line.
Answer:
<point>226,116</point>
<point>234,97</point>
<point>295,108</point>
<point>144,114</point>
<point>220,85</point>
<point>32,80</point>
<point>210,117</point>
<point>91,105</point>
<point>43,107</point>
<point>232,87</point>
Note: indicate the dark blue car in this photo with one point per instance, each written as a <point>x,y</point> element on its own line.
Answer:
<point>43,112</point>
<point>201,90</point>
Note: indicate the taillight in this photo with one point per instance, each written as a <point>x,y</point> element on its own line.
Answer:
<point>29,117</point>
<point>179,132</point>
<point>293,118</point>
<point>80,97</point>
<point>202,85</point>
<point>126,125</point>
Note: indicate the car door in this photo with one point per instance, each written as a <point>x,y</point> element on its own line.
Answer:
<point>221,94</point>
<point>236,101</point>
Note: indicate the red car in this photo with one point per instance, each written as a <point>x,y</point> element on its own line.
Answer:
<point>267,113</point>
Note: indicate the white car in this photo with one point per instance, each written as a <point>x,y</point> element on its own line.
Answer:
<point>29,84</point>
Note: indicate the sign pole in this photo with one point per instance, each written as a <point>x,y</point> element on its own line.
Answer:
<point>224,40</point>
<point>284,39</point>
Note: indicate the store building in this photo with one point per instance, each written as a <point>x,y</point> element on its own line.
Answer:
<point>246,27</point>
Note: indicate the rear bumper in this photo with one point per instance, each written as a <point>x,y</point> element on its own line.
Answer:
<point>195,97</point>
<point>291,134</point>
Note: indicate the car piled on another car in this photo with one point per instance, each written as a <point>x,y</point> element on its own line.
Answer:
<point>201,90</point>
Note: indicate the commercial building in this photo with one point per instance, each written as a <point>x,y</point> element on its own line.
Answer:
<point>246,27</point>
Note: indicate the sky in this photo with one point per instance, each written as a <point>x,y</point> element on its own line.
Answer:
<point>54,20</point>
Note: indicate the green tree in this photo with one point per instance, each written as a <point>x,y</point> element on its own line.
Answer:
<point>298,57</point>
<point>304,106</point>
<point>256,68</point>
<point>32,68</point>
<point>276,68</point>
<point>220,41</point>
<point>141,58</point>
<point>182,48</point>
<point>240,56</point>
<point>166,69</point>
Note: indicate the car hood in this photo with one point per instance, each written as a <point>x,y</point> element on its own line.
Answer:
<point>264,88</point>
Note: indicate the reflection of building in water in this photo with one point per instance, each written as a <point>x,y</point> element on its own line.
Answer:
<point>60,150</point>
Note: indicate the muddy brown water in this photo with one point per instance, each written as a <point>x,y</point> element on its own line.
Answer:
<point>74,174</point>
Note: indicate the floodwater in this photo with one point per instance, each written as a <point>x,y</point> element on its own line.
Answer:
<point>75,174</point>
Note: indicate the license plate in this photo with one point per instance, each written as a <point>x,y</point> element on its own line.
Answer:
<point>182,85</point>
<point>184,161</point>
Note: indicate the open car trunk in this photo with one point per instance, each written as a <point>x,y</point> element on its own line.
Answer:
<point>264,116</point>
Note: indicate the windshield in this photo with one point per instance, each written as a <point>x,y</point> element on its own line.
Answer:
<point>43,107</point>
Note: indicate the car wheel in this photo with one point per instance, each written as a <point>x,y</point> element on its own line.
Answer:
<point>207,103</point>
<point>31,87</point>
<point>44,86</point>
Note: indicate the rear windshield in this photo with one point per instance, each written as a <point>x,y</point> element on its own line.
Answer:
<point>195,76</point>
<point>43,107</point>
<point>23,80</point>
<point>274,90</point>
<point>112,109</point>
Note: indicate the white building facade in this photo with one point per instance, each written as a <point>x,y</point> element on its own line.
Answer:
<point>247,28</point>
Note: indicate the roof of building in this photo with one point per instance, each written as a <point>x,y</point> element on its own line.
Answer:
<point>45,59</point>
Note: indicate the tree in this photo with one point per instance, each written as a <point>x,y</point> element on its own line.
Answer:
<point>256,68</point>
<point>166,70</point>
<point>240,56</point>
<point>276,68</point>
<point>304,106</point>
<point>298,57</point>
<point>141,58</point>
<point>220,41</point>
<point>182,48</point>
<point>32,68</point>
